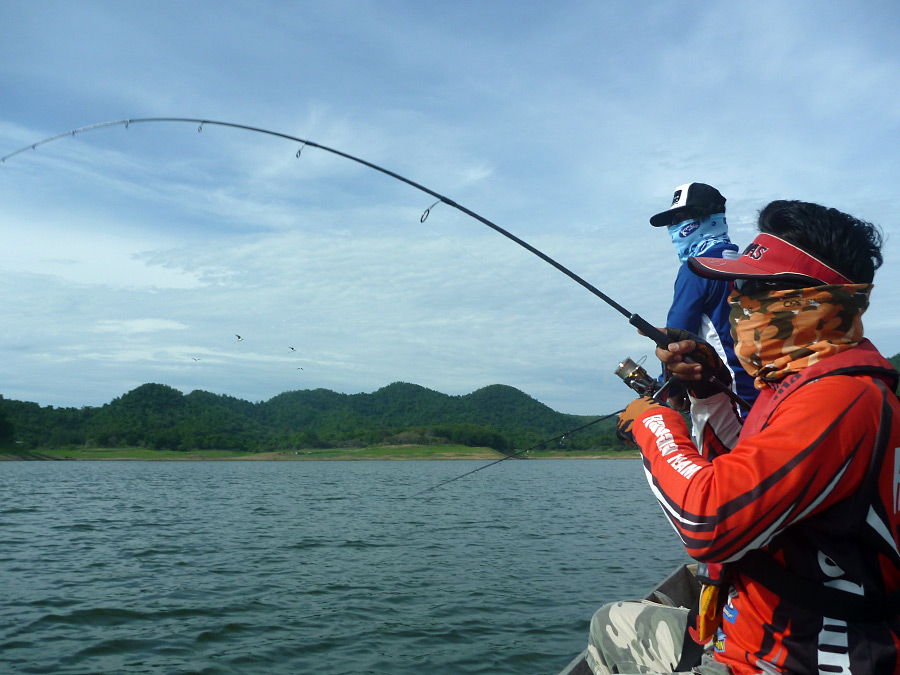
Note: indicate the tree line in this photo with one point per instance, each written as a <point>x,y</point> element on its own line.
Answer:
<point>161,417</point>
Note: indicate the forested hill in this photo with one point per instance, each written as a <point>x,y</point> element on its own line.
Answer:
<point>161,417</point>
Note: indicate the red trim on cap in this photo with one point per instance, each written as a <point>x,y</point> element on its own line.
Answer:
<point>769,256</point>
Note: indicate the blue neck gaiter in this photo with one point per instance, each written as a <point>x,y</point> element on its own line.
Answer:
<point>694,237</point>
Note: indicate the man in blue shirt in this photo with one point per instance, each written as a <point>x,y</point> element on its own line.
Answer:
<point>696,223</point>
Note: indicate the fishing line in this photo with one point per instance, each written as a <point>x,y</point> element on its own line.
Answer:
<point>636,378</point>
<point>634,319</point>
<point>520,452</point>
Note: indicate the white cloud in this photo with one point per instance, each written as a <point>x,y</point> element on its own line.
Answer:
<point>138,326</point>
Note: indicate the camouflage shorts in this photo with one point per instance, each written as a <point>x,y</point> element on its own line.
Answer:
<point>641,637</point>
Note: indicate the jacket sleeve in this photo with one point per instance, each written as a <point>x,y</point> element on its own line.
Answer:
<point>812,452</point>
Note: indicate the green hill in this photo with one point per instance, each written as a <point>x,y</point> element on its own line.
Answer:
<point>895,361</point>
<point>160,417</point>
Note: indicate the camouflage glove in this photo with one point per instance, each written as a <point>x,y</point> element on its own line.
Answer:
<point>709,360</point>
<point>625,424</point>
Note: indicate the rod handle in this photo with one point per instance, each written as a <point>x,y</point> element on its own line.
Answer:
<point>662,341</point>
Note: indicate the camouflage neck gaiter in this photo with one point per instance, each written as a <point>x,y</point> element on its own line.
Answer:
<point>777,333</point>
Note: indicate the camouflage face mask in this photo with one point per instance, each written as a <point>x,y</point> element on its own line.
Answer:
<point>779,332</point>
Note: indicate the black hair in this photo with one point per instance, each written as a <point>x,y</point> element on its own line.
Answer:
<point>847,244</point>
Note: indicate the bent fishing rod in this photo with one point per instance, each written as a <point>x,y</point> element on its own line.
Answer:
<point>634,319</point>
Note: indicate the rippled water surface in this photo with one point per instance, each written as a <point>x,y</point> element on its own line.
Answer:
<point>317,567</point>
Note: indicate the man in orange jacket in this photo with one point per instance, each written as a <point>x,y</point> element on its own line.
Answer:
<point>795,511</point>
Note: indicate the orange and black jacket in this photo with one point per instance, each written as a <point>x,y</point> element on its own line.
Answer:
<point>801,504</point>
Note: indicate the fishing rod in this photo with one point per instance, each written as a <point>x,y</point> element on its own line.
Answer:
<point>516,454</point>
<point>634,319</point>
<point>638,322</point>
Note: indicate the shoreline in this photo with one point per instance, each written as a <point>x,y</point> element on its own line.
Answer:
<point>373,453</point>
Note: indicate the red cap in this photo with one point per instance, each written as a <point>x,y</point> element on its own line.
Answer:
<point>769,258</point>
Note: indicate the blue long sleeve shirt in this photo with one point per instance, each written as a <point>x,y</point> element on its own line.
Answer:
<point>700,306</point>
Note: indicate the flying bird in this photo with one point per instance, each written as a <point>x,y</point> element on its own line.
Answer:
<point>240,339</point>
<point>293,349</point>
<point>195,358</point>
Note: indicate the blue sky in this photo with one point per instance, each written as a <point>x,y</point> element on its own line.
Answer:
<point>129,253</point>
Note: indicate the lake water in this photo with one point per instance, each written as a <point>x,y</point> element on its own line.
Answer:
<point>318,567</point>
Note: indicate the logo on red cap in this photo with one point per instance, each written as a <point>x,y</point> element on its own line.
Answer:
<point>755,251</point>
